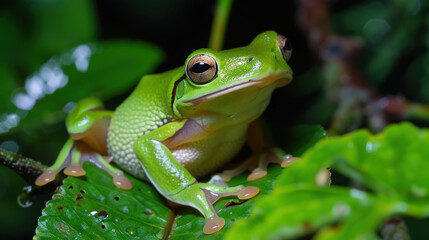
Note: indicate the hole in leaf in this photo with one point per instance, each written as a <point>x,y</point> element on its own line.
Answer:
<point>103,226</point>
<point>148,212</point>
<point>82,191</point>
<point>79,197</point>
<point>103,214</point>
<point>116,198</point>
<point>70,187</point>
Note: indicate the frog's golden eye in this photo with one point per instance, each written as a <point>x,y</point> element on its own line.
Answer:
<point>201,69</point>
<point>285,47</point>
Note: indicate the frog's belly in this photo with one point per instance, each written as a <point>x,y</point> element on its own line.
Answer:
<point>203,157</point>
<point>200,157</point>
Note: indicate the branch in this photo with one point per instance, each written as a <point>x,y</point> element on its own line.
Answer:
<point>27,168</point>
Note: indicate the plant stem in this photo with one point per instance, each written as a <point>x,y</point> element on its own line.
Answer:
<point>220,21</point>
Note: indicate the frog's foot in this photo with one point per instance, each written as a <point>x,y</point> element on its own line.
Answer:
<point>258,164</point>
<point>202,196</point>
<point>71,159</point>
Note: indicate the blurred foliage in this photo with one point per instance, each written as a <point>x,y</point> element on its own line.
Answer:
<point>338,212</point>
<point>54,52</point>
<point>395,36</point>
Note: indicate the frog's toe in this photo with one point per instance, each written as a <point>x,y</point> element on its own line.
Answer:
<point>256,174</point>
<point>46,177</point>
<point>248,192</point>
<point>274,156</point>
<point>288,160</point>
<point>74,170</point>
<point>122,182</point>
<point>213,225</point>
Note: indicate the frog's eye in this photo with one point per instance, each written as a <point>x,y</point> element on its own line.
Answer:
<point>285,47</point>
<point>201,69</point>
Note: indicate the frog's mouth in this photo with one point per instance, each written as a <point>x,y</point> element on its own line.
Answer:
<point>280,79</point>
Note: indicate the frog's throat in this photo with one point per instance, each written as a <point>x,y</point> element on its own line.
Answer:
<point>280,79</point>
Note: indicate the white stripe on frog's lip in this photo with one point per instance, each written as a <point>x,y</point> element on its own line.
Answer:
<point>262,82</point>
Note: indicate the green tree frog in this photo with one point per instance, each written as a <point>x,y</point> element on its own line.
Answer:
<point>185,123</point>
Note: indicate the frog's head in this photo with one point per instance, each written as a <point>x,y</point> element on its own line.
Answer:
<point>233,84</point>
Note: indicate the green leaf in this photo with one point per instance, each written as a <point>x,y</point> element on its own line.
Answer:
<point>389,165</point>
<point>91,207</point>
<point>103,70</point>
<point>293,211</point>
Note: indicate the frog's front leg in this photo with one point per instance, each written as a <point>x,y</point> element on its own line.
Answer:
<point>175,183</point>
<point>87,125</point>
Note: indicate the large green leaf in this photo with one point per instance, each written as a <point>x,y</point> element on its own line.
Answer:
<point>93,208</point>
<point>388,165</point>
<point>99,69</point>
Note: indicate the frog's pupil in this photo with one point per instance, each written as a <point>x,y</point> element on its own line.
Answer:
<point>200,67</point>
<point>287,46</point>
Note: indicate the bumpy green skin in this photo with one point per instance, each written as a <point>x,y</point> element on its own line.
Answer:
<point>146,109</point>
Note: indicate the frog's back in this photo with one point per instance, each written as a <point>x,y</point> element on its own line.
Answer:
<point>147,108</point>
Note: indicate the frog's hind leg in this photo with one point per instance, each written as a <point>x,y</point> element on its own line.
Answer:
<point>257,165</point>
<point>262,155</point>
<point>275,156</point>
